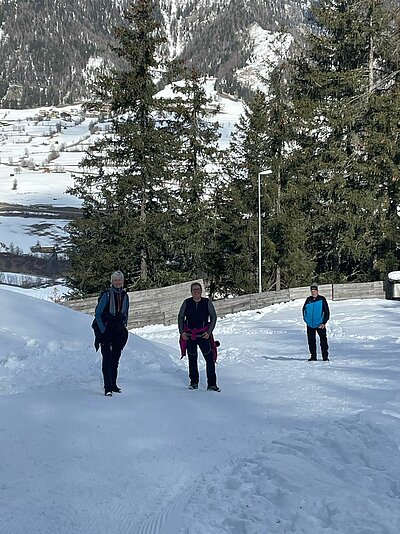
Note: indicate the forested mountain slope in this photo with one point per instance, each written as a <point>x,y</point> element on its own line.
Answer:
<point>48,48</point>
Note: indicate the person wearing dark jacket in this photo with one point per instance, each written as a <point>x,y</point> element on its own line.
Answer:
<point>111,316</point>
<point>196,321</point>
<point>316,315</point>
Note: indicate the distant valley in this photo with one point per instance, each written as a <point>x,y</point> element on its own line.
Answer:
<point>40,151</point>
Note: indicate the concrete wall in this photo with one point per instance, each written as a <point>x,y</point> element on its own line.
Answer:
<point>161,306</point>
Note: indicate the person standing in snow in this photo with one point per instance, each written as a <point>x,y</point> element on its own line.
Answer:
<point>111,318</point>
<point>196,322</point>
<point>316,315</point>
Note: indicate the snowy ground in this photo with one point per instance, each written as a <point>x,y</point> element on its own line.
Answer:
<point>37,187</point>
<point>288,446</point>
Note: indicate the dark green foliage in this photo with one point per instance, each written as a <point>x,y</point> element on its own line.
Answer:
<point>261,144</point>
<point>346,129</point>
<point>286,225</point>
<point>126,223</point>
<point>194,172</point>
<point>238,205</point>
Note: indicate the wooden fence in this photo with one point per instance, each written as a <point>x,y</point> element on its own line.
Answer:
<point>330,291</point>
<point>151,306</point>
<point>161,306</point>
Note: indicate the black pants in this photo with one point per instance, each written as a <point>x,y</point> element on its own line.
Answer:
<point>206,349</point>
<point>312,342</point>
<point>111,354</point>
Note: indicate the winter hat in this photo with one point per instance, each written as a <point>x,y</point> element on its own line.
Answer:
<point>314,285</point>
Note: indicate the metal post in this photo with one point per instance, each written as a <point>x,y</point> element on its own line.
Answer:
<point>259,234</point>
<point>259,230</point>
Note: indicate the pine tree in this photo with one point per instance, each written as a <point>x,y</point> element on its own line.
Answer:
<point>260,143</point>
<point>380,129</point>
<point>125,221</point>
<point>338,114</point>
<point>238,204</point>
<point>196,156</point>
<point>286,225</point>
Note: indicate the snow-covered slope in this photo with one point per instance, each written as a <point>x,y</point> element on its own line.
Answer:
<point>288,446</point>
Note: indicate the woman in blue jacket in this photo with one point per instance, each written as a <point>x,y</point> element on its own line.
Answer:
<point>316,315</point>
<point>111,318</point>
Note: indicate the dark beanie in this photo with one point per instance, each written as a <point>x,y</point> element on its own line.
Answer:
<point>314,286</point>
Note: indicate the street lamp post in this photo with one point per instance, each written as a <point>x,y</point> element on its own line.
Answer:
<point>259,229</point>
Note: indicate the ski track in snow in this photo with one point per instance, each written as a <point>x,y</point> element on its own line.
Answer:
<point>166,522</point>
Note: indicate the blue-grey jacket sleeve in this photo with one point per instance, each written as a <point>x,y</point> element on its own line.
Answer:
<point>213,316</point>
<point>99,310</point>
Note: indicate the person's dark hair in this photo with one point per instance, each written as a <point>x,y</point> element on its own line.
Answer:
<point>195,284</point>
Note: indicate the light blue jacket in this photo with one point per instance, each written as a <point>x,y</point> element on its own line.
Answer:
<point>316,311</point>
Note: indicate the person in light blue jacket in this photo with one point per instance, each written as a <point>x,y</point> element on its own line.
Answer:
<point>316,315</point>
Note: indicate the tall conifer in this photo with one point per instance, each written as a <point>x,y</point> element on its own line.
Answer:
<point>196,157</point>
<point>125,221</point>
<point>238,204</point>
<point>338,113</point>
<point>285,226</point>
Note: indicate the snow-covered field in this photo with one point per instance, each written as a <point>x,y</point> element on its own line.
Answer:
<point>26,232</point>
<point>36,169</point>
<point>288,446</point>
<point>37,187</point>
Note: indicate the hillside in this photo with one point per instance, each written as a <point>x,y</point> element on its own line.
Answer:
<point>49,49</point>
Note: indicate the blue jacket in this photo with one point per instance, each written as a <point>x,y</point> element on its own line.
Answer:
<point>103,316</point>
<point>316,311</point>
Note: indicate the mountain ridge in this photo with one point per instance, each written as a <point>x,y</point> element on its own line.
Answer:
<point>49,49</point>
